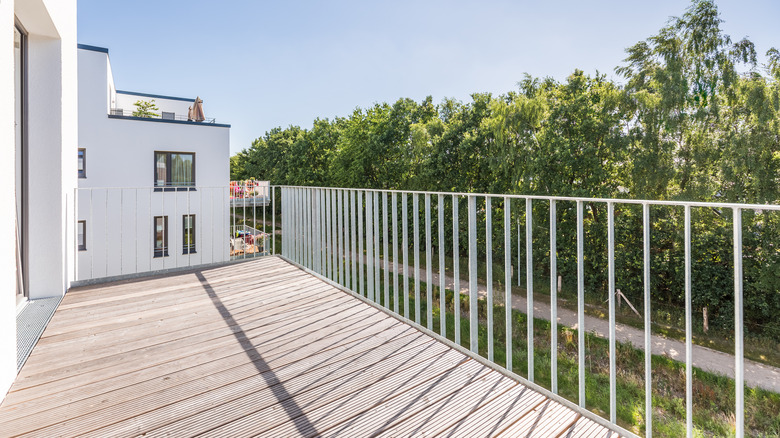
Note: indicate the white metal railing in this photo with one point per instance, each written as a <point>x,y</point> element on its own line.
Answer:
<point>119,229</point>
<point>336,232</point>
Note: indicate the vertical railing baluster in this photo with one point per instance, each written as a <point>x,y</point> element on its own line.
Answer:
<point>739,364</point>
<point>442,272</point>
<point>340,235</point>
<point>394,200</point>
<point>361,268</point>
<point>529,284</point>
<point>416,224</point>
<point>346,253</point>
<point>334,250</point>
<point>428,263</point>
<point>508,281</point>
<point>648,345</point>
<point>456,268</point>
<point>489,273</point>
<point>688,328</point>
<point>354,254</point>
<point>377,265</point>
<point>370,245</point>
<point>405,230</point>
<point>328,235</point>
<point>385,255</point>
<point>473,280</point>
<point>273,219</point>
<point>611,275</point>
<point>553,300</point>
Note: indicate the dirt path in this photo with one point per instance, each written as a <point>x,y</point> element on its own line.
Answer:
<point>756,374</point>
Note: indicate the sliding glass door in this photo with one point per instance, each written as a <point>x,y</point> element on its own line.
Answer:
<point>20,186</point>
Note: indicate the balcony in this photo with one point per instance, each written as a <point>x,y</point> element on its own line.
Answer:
<point>261,348</point>
<point>362,324</point>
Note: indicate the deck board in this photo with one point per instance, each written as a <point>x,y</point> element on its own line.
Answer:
<point>258,348</point>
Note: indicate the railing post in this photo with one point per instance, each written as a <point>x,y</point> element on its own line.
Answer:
<point>361,269</point>
<point>489,273</point>
<point>456,267</point>
<point>508,280</point>
<point>385,255</point>
<point>648,334</point>
<point>428,263</point>
<point>473,288</point>
<point>394,200</point>
<point>377,265</point>
<point>405,232</point>
<point>529,284</point>
<point>370,245</point>
<point>553,300</point>
<point>739,364</point>
<point>273,219</point>
<point>580,305</point>
<point>688,328</point>
<point>354,254</point>
<point>442,272</point>
<point>611,274</point>
<point>416,223</point>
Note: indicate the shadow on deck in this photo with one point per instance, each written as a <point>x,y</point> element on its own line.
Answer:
<point>259,348</point>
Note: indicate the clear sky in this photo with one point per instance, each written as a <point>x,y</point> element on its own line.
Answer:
<point>262,64</point>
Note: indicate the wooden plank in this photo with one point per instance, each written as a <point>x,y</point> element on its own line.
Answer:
<point>239,373</point>
<point>312,411</point>
<point>546,420</point>
<point>80,374</point>
<point>228,403</point>
<point>497,414</point>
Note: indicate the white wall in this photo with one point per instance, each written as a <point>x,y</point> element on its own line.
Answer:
<point>52,137</point>
<point>121,154</point>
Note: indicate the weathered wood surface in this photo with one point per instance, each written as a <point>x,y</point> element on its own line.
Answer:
<point>259,348</point>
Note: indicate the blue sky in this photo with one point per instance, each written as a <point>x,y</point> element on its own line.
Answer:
<point>262,64</point>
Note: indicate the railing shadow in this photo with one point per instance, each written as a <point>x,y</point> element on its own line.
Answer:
<point>293,411</point>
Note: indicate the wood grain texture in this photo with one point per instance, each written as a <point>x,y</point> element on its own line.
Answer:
<point>258,348</point>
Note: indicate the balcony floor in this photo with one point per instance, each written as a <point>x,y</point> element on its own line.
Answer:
<point>258,348</point>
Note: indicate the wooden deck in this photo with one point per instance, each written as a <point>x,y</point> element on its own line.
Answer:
<point>259,348</point>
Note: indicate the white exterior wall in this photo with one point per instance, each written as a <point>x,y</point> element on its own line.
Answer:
<point>121,155</point>
<point>52,122</point>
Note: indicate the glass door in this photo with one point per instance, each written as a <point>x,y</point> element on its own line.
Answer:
<point>20,86</point>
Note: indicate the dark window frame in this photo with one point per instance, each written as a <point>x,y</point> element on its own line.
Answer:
<point>82,245</point>
<point>82,172</point>
<point>191,248</point>
<point>160,252</point>
<point>168,187</point>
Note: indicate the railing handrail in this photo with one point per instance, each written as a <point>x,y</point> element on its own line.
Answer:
<point>704,204</point>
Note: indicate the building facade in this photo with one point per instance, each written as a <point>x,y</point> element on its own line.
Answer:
<point>39,138</point>
<point>153,186</point>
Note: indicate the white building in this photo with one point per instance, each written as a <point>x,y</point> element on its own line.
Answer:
<point>38,134</point>
<point>153,191</point>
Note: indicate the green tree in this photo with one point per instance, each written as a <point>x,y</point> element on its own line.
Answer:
<point>145,109</point>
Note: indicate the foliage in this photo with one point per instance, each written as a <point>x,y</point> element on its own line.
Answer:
<point>146,109</point>
<point>696,119</point>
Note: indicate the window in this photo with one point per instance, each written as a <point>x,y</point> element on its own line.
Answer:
<point>82,235</point>
<point>174,169</point>
<point>82,163</point>
<point>161,236</point>
<point>188,234</point>
<point>168,116</point>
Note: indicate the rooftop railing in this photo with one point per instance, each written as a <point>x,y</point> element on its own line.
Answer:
<point>163,115</point>
<point>362,239</point>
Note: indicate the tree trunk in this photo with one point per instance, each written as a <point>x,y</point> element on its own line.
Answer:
<point>706,319</point>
